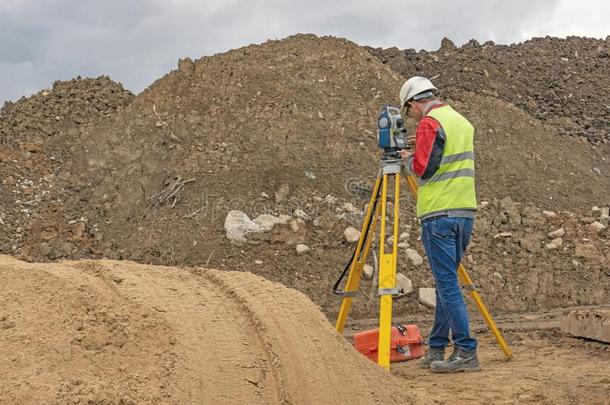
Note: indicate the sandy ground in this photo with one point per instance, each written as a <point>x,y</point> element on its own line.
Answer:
<point>119,332</point>
<point>544,370</point>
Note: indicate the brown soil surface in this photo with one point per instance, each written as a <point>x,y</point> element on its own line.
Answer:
<point>119,332</point>
<point>292,113</point>
<point>563,82</point>
<point>548,368</point>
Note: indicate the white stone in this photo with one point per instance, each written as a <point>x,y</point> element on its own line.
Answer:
<point>403,236</point>
<point>267,221</point>
<point>427,296</point>
<point>414,257</point>
<point>258,262</point>
<point>302,249</point>
<point>549,214</point>
<point>297,225</point>
<point>238,225</point>
<point>282,193</point>
<point>550,246</point>
<point>351,234</point>
<point>557,242</point>
<point>558,233</point>
<point>403,283</point>
<point>301,215</point>
<point>330,199</point>
<point>368,271</point>
<point>349,207</point>
<point>403,245</point>
<point>597,226</point>
<point>264,195</point>
<point>484,204</point>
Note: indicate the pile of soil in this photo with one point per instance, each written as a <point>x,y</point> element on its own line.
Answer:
<point>563,82</point>
<point>117,332</point>
<point>39,138</point>
<point>273,128</point>
<point>61,109</point>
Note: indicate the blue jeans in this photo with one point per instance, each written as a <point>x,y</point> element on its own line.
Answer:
<point>445,240</point>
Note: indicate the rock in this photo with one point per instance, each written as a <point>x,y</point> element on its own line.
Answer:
<point>427,296</point>
<point>402,245</point>
<point>186,65</point>
<point>301,249</point>
<point>301,215</point>
<point>259,262</point>
<point>67,248</point>
<point>551,246</point>
<point>503,235</point>
<point>266,222</point>
<point>403,236</point>
<point>558,233</point>
<point>587,251</point>
<point>297,225</point>
<point>330,199</point>
<point>351,234</point>
<point>531,242</point>
<point>590,323</point>
<point>403,283</point>
<point>597,226</point>
<point>368,271</point>
<point>238,225</point>
<point>264,195</point>
<point>604,218</point>
<point>414,257</point>
<point>549,214</point>
<point>510,212</point>
<point>557,242</point>
<point>349,207</point>
<point>282,193</point>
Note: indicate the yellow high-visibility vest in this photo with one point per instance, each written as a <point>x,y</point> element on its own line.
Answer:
<point>452,186</point>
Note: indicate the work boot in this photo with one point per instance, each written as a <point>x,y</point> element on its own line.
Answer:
<point>432,354</point>
<point>460,360</point>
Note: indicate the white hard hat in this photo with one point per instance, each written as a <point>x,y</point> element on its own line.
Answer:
<point>413,87</point>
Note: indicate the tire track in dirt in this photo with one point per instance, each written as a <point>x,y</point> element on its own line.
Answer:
<point>220,358</point>
<point>312,361</point>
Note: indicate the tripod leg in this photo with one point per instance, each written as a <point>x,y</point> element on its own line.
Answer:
<point>387,274</point>
<point>491,324</point>
<point>470,287</point>
<point>362,249</point>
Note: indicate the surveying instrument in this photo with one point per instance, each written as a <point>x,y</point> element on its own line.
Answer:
<point>391,139</point>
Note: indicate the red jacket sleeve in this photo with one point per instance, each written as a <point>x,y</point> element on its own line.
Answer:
<point>424,140</point>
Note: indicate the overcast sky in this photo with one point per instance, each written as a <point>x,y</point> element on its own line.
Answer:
<point>137,41</point>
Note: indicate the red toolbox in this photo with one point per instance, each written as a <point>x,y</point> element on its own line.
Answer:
<point>405,343</point>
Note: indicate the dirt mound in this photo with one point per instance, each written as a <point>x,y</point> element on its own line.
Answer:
<point>39,137</point>
<point>117,332</point>
<point>61,109</point>
<point>276,128</point>
<point>563,82</point>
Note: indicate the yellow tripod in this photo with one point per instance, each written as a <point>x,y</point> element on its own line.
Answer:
<point>392,168</point>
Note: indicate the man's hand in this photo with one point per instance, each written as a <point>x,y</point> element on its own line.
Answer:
<point>405,154</point>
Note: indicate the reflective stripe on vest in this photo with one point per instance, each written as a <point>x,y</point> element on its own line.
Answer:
<point>452,186</point>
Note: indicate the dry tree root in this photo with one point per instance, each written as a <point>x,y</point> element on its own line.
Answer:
<point>169,194</point>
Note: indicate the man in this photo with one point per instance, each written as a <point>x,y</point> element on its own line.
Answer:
<point>443,161</point>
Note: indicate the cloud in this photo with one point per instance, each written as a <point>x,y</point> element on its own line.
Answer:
<point>137,41</point>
